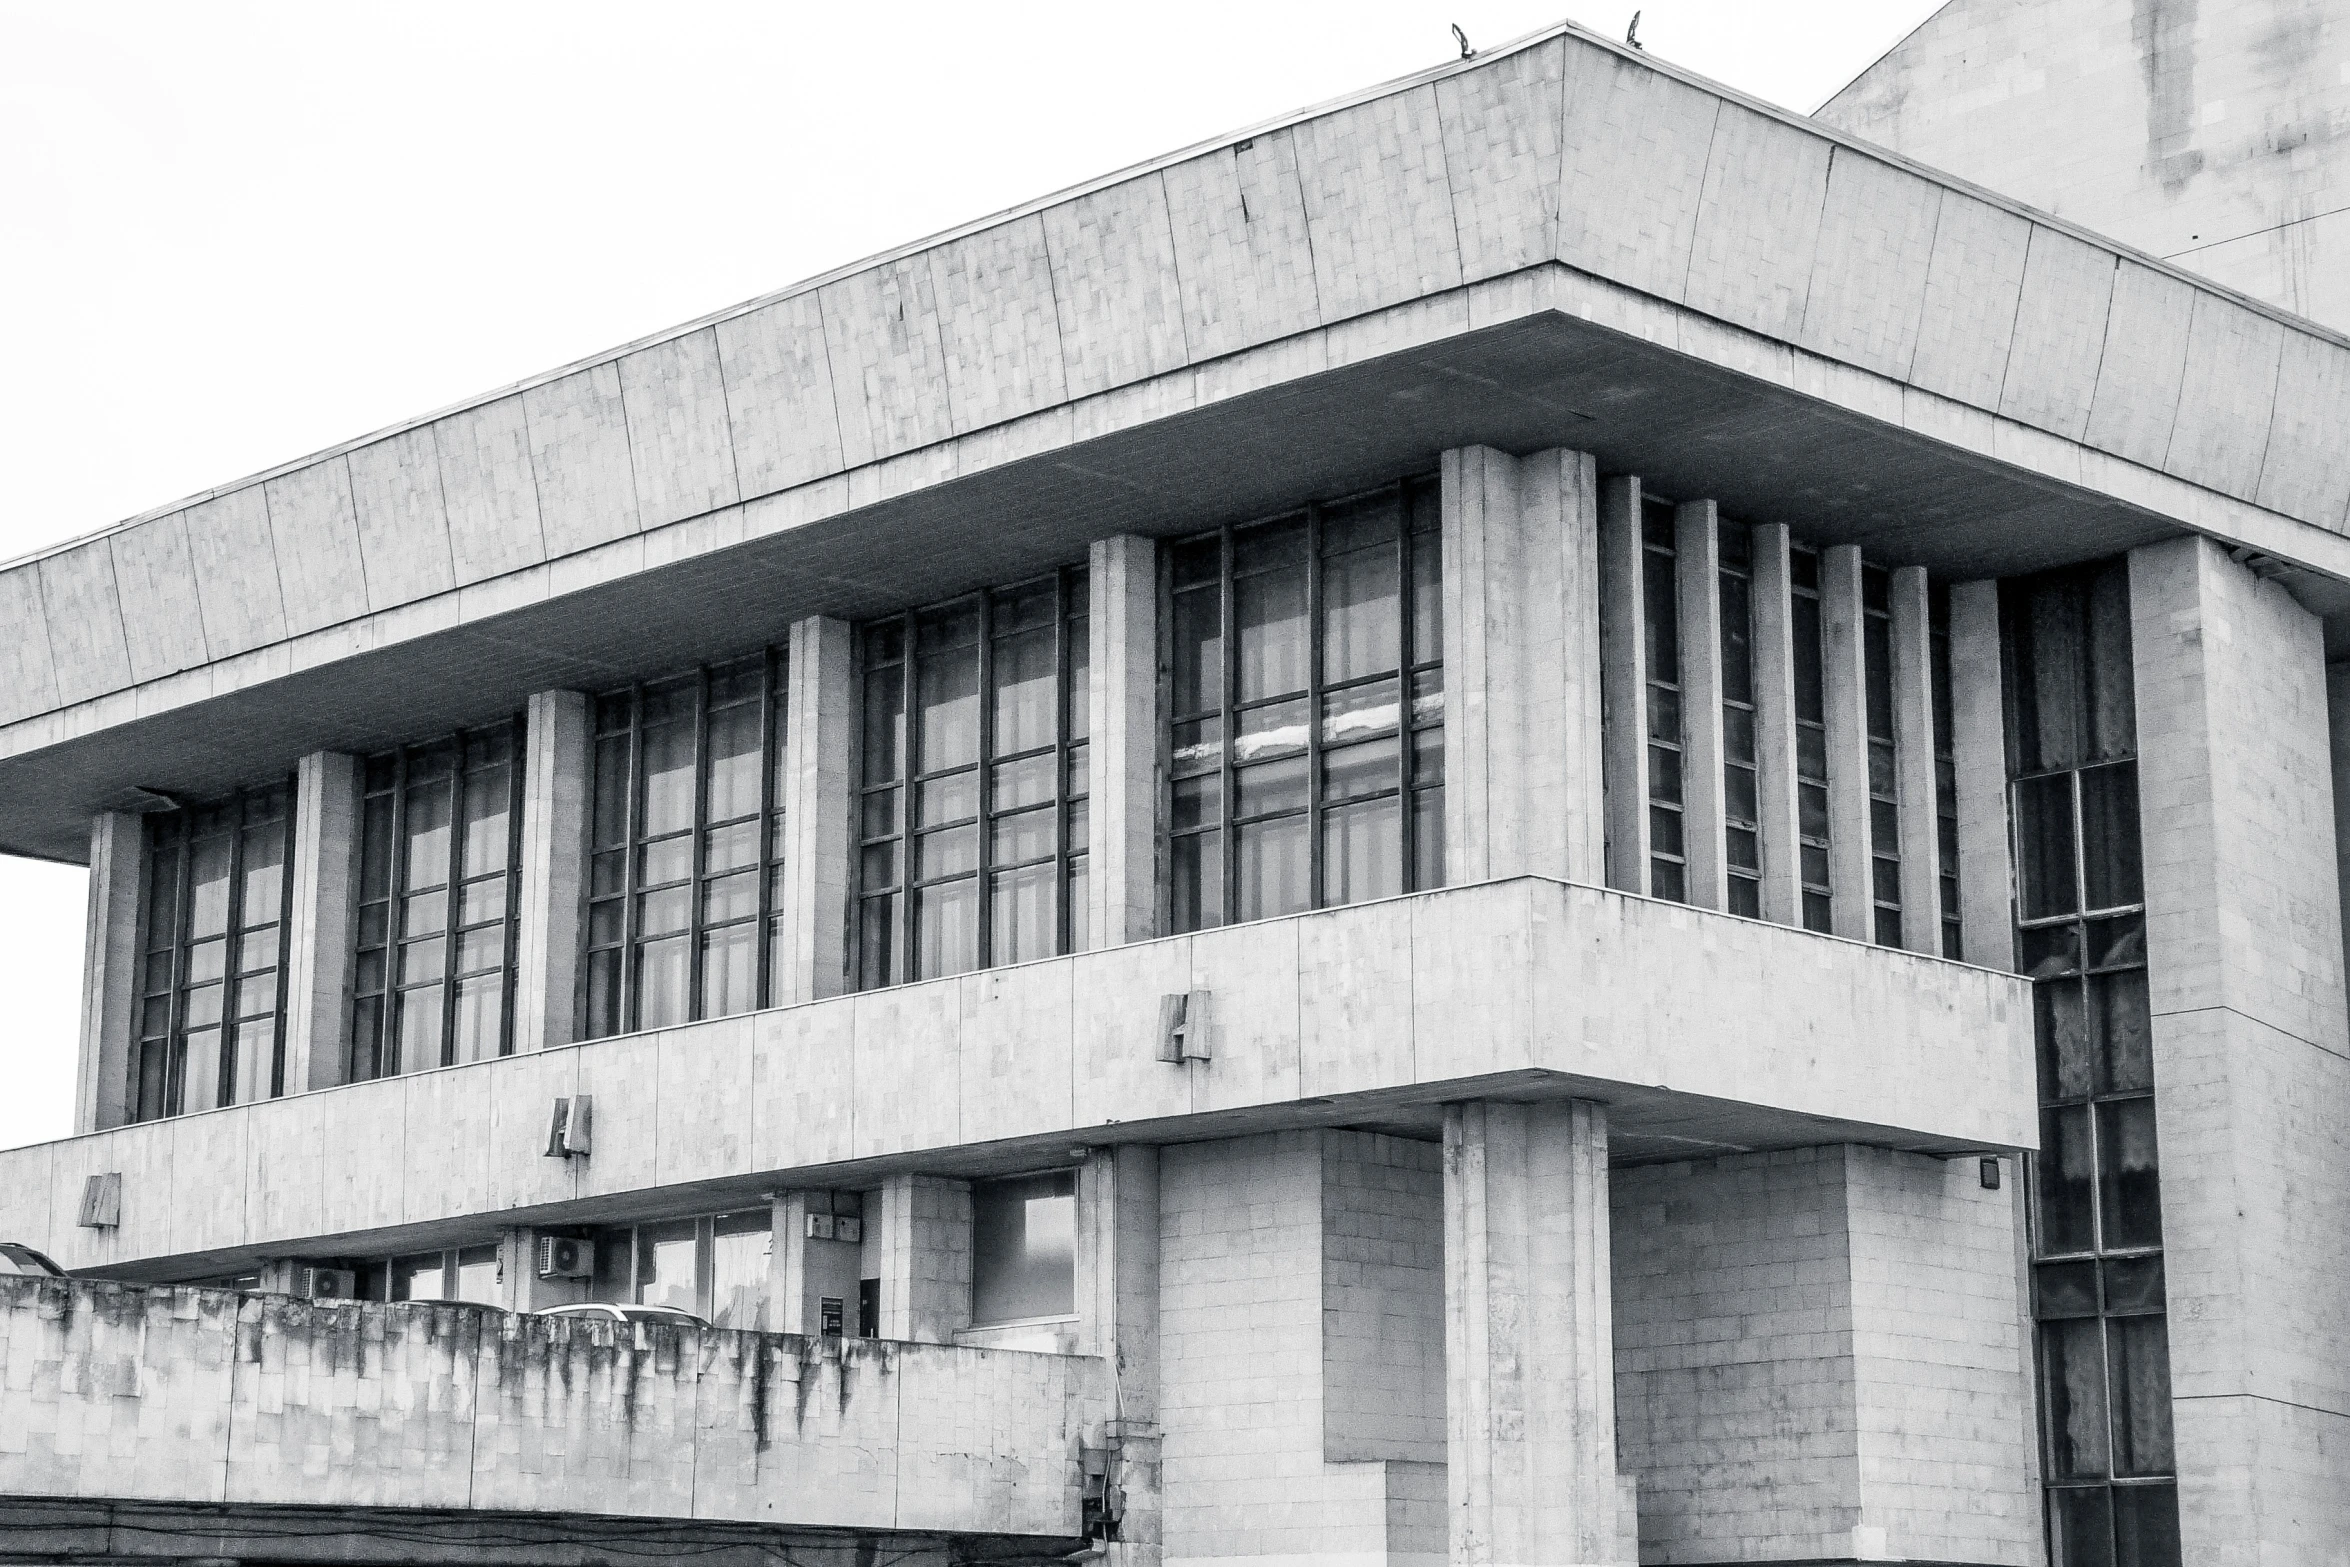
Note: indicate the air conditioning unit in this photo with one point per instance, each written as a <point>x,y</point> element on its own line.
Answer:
<point>566,1257</point>
<point>326,1283</point>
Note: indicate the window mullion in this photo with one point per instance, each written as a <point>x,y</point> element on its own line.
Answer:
<point>1063,697</point>
<point>509,940</point>
<point>453,913</point>
<point>175,1060</point>
<point>387,1019</point>
<point>285,919</point>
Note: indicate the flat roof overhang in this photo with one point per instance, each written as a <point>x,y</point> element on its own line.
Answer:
<point>1964,501</point>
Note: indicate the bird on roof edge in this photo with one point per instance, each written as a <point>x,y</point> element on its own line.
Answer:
<point>1632,34</point>
<point>1467,53</point>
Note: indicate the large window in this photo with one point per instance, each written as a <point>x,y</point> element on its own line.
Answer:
<point>1741,796</point>
<point>212,991</point>
<point>1024,1249</point>
<point>466,1273</point>
<point>2097,1212</point>
<point>1660,624</point>
<point>684,881</point>
<point>1306,711</point>
<point>714,1266</point>
<point>1876,647</point>
<point>1945,767</point>
<point>972,782</point>
<point>439,862</point>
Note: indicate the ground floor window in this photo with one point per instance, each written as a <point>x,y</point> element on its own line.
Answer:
<point>1024,1249</point>
<point>714,1266</point>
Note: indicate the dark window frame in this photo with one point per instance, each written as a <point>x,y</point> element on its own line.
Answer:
<point>1665,696</point>
<point>1880,731</point>
<point>1816,893</point>
<point>1744,849</point>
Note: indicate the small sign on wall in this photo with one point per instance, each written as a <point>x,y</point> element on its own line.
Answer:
<point>102,1201</point>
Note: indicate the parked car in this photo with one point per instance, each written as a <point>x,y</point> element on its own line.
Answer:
<point>655,1315</point>
<point>18,1258</point>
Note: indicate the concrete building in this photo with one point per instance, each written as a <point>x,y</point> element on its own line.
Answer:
<point>1544,819</point>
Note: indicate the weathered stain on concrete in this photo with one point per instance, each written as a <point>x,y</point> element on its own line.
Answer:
<point>117,1392</point>
<point>2164,32</point>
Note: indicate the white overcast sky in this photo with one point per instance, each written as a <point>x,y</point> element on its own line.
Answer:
<point>231,234</point>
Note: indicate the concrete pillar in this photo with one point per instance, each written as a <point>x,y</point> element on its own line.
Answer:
<point>1118,1319</point>
<point>1122,706</point>
<point>2338,728</point>
<point>1852,910</point>
<point>1774,725</point>
<point>112,951</point>
<point>1697,567</point>
<point>806,1270</point>
<point>2251,1058</point>
<point>557,781</point>
<point>1913,756</point>
<point>1623,666</point>
<point>1523,791</point>
<point>1530,1402</point>
<point>924,1247</point>
<point>818,723</point>
<point>1821,1356</point>
<point>320,926</point>
<point>1986,868</point>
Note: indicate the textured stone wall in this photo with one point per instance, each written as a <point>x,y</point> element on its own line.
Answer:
<point>1819,1354</point>
<point>110,1391</point>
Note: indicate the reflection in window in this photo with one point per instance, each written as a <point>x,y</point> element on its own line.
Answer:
<point>714,1266</point>
<point>466,1273</point>
<point>1024,1248</point>
<point>2096,1183</point>
<point>1306,742</point>
<point>439,861</point>
<point>685,878</point>
<point>1945,765</point>
<point>211,1023</point>
<point>1811,736</point>
<point>1741,802</point>
<point>973,783</point>
<point>1660,627</point>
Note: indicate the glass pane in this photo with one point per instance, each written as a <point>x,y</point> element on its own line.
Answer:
<point>730,970</point>
<point>420,1028</point>
<point>1359,770</point>
<point>2046,951</point>
<point>2139,1374</point>
<point>726,848</point>
<point>1428,839</point>
<point>1271,730</point>
<point>1025,782</point>
<point>734,763</point>
<point>254,1075</point>
<point>2146,1525</point>
<point>2066,1176</point>
<point>1025,694</point>
<point>424,960</point>
<point>2124,1029</point>
<point>2068,1066</point>
<point>734,897</point>
<point>1273,868</point>
<point>665,1265</point>
<point>487,796</point>
<point>2044,846</point>
<point>1362,614</point>
<point>2129,1174</point>
<point>481,949</point>
<point>1075,898</point>
<point>661,982</point>
<point>2064,1289</point>
<point>1021,913</point>
<point>417,1278</point>
<point>877,941</point>
<point>2109,836</point>
<point>603,987</point>
<point>946,698</point>
<point>2081,1522</point>
<point>2073,1398</point>
<point>257,995</point>
<point>202,1006</point>
<point>2118,941</point>
<point>946,929</point>
<point>1024,1248</point>
<point>669,778</point>
<point>484,901</point>
<point>2133,1285</point>
<point>1197,746</point>
<point>1361,523</point>
<point>265,874</point>
<point>207,960</point>
<point>659,913</point>
<point>952,852</point>
<point>429,806</point>
<point>1199,651</point>
<point>1197,874</point>
<point>885,725</point>
<point>1024,835</point>
<point>425,914</point>
<point>477,1275</point>
<point>481,1012</point>
<point>208,886</point>
<point>612,791</point>
<point>1362,851</point>
<point>739,1247</point>
<point>1358,711</point>
<point>950,799</point>
<point>1427,600</point>
<point>1270,786</point>
<point>1271,611</point>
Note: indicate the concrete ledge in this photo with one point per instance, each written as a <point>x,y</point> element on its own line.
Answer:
<point>113,1392</point>
<point>1703,1032</point>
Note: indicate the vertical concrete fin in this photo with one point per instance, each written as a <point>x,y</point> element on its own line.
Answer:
<point>557,783</point>
<point>1697,569</point>
<point>1624,684</point>
<point>1122,720</point>
<point>1986,872</point>
<point>1852,909</point>
<point>1774,725</point>
<point>925,1258</point>
<point>1913,751</point>
<point>817,730</point>
<point>319,926</point>
<point>111,950</point>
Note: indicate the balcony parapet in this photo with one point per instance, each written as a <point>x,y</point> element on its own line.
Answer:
<point>128,1393</point>
<point>1702,1031</point>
